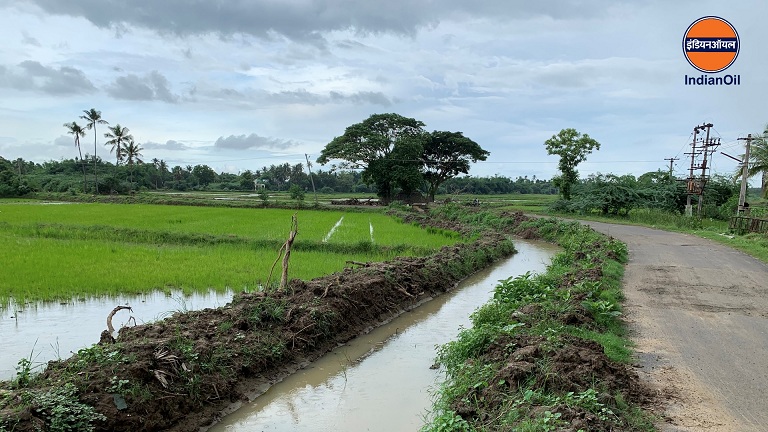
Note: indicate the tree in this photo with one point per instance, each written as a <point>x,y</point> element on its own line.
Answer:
<point>758,160</point>
<point>78,132</point>
<point>383,146</point>
<point>93,117</point>
<point>132,154</point>
<point>205,175</point>
<point>119,136</point>
<point>296,193</point>
<point>573,148</point>
<point>446,155</point>
<point>246,181</point>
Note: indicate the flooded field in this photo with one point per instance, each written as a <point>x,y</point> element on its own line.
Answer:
<point>49,331</point>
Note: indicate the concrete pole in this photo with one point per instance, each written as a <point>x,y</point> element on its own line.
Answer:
<point>744,171</point>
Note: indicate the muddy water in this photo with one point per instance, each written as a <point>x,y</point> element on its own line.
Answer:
<point>380,381</point>
<point>48,331</point>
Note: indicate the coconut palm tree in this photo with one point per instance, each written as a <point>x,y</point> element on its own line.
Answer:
<point>118,137</point>
<point>758,161</point>
<point>163,171</point>
<point>78,132</point>
<point>132,154</point>
<point>93,117</point>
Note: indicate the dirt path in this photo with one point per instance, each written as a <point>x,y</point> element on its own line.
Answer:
<point>698,312</point>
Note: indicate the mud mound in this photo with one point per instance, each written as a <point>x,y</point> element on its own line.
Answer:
<point>566,367</point>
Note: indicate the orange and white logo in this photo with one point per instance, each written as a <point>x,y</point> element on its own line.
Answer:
<point>711,44</point>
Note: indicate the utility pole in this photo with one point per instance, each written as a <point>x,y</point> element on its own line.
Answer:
<point>744,171</point>
<point>706,150</point>
<point>696,184</point>
<point>671,161</point>
<point>309,168</point>
<point>690,185</point>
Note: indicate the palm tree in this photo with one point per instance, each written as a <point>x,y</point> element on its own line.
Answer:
<point>132,153</point>
<point>118,136</point>
<point>163,171</point>
<point>78,132</point>
<point>758,161</point>
<point>93,117</point>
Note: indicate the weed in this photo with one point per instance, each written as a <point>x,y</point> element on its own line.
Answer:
<point>63,412</point>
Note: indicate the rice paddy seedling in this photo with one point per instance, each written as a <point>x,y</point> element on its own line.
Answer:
<point>83,250</point>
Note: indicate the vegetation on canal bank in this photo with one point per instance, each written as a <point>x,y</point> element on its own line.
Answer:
<point>548,352</point>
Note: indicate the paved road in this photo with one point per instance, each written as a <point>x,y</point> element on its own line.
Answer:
<point>698,312</point>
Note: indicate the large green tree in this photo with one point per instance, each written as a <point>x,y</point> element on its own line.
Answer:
<point>573,148</point>
<point>387,147</point>
<point>78,132</point>
<point>446,155</point>
<point>93,117</point>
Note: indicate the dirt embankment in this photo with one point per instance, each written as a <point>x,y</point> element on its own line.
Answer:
<point>181,373</point>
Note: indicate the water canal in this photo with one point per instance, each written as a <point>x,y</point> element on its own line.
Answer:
<point>380,381</point>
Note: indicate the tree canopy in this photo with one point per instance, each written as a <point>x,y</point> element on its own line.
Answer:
<point>573,148</point>
<point>396,153</point>
<point>446,155</point>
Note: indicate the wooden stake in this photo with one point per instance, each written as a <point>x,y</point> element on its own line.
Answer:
<point>287,256</point>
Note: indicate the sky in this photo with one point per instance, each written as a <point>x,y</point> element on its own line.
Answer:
<point>243,84</point>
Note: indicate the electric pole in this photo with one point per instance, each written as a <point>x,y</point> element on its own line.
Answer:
<point>709,147</point>
<point>690,185</point>
<point>671,161</point>
<point>696,184</point>
<point>744,173</point>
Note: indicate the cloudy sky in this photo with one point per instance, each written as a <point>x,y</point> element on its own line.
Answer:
<point>243,84</point>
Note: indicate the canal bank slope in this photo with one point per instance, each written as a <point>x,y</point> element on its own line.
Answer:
<point>698,312</point>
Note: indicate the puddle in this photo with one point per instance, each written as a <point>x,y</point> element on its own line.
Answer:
<point>48,331</point>
<point>389,388</point>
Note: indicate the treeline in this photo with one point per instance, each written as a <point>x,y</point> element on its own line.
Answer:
<point>610,194</point>
<point>19,177</point>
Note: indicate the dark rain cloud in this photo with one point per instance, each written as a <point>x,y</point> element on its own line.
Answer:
<point>305,20</point>
<point>252,141</point>
<point>34,76</point>
<point>153,86</point>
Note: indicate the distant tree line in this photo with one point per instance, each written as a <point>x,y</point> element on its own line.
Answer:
<point>19,177</point>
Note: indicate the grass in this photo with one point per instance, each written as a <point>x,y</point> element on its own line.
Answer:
<point>473,361</point>
<point>81,250</point>
<point>754,244</point>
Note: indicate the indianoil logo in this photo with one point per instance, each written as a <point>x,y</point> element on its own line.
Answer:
<point>711,45</point>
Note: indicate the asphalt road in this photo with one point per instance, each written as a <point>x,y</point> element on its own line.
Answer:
<point>698,313</point>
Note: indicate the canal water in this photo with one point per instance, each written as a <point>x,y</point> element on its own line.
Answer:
<point>381,381</point>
